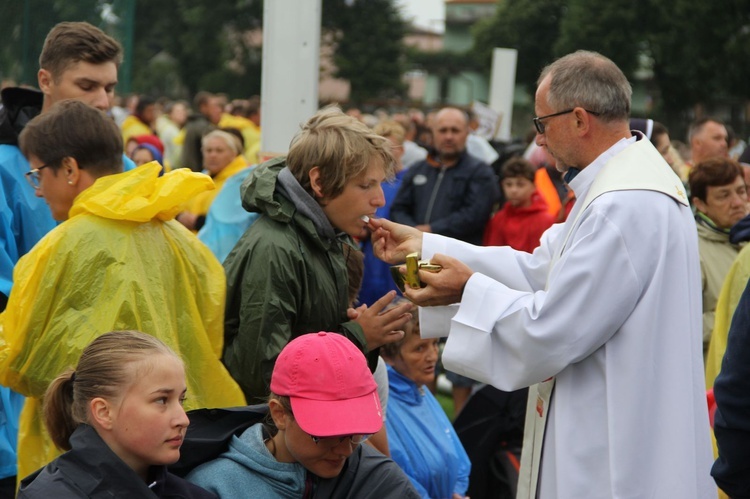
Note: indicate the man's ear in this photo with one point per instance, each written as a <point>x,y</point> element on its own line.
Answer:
<point>45,80</point>
<point>277,414</point>
<point>315,182</point>
<point>102,413</point>
<point>583,121</point>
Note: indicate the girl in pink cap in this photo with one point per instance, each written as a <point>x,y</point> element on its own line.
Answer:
<point>323,405</point>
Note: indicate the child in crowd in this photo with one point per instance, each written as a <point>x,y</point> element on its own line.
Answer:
<point>323,404</point>
<point>524,218</point>
<point>119,416</point>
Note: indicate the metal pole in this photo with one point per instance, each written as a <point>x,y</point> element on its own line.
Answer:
<point>125,76</point>
<point>289,82</point>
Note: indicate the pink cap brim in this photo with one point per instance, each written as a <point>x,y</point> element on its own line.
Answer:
<point>325,418</point>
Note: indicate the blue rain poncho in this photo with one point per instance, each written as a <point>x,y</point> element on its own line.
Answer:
<point>423,442</point>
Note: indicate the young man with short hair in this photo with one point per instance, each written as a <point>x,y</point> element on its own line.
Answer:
<point>287,275</point>
<point>78,61</point>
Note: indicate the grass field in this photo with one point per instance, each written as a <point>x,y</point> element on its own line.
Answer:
<point>446,402</point>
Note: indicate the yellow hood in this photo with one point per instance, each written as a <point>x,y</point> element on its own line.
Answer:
<point>141,195</point>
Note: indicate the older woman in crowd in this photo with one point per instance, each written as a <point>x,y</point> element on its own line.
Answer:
<point>420,436</point>
<point>222,158</point>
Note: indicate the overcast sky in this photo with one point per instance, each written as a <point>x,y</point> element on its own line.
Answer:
<point>428,14</point>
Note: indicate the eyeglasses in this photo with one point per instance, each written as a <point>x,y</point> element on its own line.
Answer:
<point>33,176</point>
<point>540,126</point>
<point>334,441</point>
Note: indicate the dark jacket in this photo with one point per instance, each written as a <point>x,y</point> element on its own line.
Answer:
<point>286,277</point>
<point>731,471</point>
<point>455,202</point>
<point>367,473</point>
<point>20,105</point>
<point>24,220</point>
<point>195,128</point>
<point>92,470</point>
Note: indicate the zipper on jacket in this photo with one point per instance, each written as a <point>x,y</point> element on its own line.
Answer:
<point>428,213</point>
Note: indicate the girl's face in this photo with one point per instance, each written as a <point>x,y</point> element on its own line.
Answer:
<point>325,459</point>
<point>148,423</point>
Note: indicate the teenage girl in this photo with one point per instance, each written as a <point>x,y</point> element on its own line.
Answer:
<point>119,416</point>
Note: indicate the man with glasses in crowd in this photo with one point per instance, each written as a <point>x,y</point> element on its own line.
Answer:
<point>603,320</point>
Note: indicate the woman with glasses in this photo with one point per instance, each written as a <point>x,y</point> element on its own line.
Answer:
<point>116,261</point>
<point>421,438</point>
<point>323,405</point>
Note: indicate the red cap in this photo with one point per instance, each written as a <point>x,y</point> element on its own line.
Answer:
<point>331,389</point>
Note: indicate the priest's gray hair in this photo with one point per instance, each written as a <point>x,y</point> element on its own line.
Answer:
<point>591,81</point>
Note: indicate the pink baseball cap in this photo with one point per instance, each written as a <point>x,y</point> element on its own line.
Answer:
<point>331,389</point>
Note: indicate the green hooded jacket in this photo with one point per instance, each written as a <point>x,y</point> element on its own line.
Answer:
<point>285,277</point>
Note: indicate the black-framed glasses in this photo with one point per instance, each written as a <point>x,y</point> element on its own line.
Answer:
<point>333,441</point>
<point>540,126</point>
<point>33,176</point>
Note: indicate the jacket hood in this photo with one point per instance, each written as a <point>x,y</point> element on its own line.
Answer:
<point>404,389</point>
<point>273,190</point>
<point>538,205</point>
<point>140,195</point>
<point>20,105</point>
<point>709,231</point>
<point>249,451</point>
<point>740,232</point>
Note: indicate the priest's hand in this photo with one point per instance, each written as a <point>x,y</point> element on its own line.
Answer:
<point>391,242</point>
<point>442,288</point>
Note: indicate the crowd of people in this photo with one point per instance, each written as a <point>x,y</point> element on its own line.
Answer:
<point>154,262</point>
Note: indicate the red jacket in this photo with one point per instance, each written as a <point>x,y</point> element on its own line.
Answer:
<point>519,228</point>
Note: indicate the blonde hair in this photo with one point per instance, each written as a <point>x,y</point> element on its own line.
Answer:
<point>340,146</point>
<point>231,141</point>
<point>391,128</point>
<point>104,370</point>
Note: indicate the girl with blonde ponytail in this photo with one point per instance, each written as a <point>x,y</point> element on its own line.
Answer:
<point>119,416</point>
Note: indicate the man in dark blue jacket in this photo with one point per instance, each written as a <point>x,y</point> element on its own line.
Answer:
<point>451,192</point>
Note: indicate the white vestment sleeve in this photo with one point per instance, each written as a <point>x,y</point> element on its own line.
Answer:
<point>517,269</point>
<point>513,338</point>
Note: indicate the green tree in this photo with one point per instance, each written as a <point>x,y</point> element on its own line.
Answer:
<point>696,49</point>
<point>369,51</point>
<point>201,41</point>
<point>24,24</point>
<point>610,27</point>
<point>532,27</point>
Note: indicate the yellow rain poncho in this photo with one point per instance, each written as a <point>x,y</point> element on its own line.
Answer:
<point>119,262</point>
<point>200,203</point>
